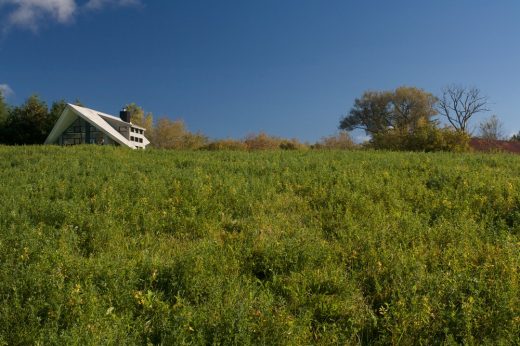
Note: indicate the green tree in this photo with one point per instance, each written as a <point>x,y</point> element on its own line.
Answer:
<point>28,123</point>
<point>4,111</point>
<point>515,137</point>
<point>57,108</point>
<point>371,113</point>
<point>402,109</point>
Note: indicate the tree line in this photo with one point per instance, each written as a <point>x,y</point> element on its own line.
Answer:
<point>406,118</point>
<point>31,122</point>
<point>409,118</point>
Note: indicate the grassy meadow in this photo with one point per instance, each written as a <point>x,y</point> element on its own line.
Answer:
<point>103,245</point>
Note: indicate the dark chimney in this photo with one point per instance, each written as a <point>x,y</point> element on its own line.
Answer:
<point>124,115</point>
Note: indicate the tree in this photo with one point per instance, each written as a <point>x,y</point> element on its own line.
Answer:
<point>515,137</point>
<point>412,108</point>
<point>27,124</point>
<point>139,118</point>
<point>4,111</point>
<point>57,108</point>
<point>403,109</point>
<point>170,134</point>
<point>371,113</point>
<point>341,140</point>
<point>458,104</point>
<point>491,128</point>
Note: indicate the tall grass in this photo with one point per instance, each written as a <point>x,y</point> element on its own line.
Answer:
<point>101,245</point>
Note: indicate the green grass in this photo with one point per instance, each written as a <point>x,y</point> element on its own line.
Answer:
<point>101,245</point>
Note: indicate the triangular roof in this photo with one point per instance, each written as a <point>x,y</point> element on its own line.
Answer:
<point>70,114</point>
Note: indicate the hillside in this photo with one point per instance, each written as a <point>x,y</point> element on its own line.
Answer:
<point>102,245</point>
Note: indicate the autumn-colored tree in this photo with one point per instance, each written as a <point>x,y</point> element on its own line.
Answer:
<point>412,108</point>
<point>341,140</point>
<point>172,134</point>
<point>262,141</point>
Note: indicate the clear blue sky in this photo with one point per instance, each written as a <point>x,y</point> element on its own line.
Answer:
<point>228,68</point>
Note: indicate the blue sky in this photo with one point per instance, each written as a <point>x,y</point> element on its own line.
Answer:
<point>228,68</point>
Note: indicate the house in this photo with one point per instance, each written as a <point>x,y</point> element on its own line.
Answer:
<point>80,125</point>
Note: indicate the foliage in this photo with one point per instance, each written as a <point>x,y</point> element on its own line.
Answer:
<point>341,140</point>
<point>27,123</point>
<point>101,245</point>
<point>4,111</point>
<point>172,134</point>
<point>57,108</point>
<point>515,137</point>
<point>403,109</point>
<point>262,141</point>
<point>225,144</point>
<point>491,128</point>
<point>425,138</point>
<point>139,118</point>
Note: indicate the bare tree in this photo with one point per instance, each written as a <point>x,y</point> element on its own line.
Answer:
<point>491,128</point>
<point>458,104</point>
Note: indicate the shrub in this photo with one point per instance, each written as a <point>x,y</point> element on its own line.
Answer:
<point>169,134</point>
<point>262,141</point>
<point>426,138</point>
<point>341,140</point>
<point>291,144</point>
<point>225,144</point>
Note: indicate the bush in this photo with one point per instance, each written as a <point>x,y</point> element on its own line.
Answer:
<point>262,141</point>
<point>225,144</point>
<point>341,140</point>
<point>169,134</point>
<point>291,144</point>
<point>426,138</point>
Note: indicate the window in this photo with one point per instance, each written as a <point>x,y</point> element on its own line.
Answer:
<point>140,140</point>
<point>131,138</point>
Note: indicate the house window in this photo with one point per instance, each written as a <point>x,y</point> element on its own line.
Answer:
<point>131,138</point>
<point>140,140</point>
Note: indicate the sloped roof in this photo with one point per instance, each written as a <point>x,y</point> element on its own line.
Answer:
<point>95,118</point>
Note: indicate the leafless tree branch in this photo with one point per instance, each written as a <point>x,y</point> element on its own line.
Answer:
<point>458,104</point>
